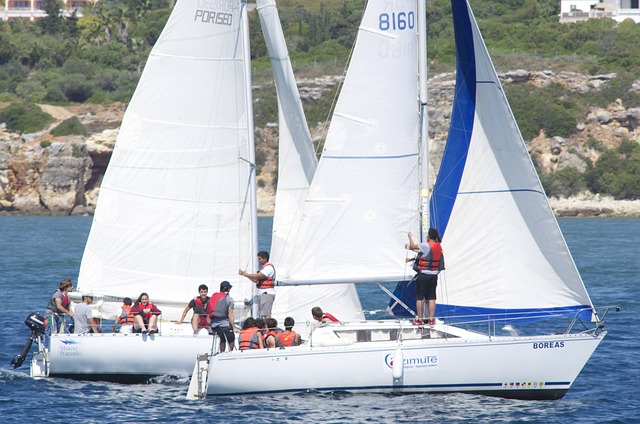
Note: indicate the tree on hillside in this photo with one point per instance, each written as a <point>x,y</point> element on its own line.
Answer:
<point>53,23</point>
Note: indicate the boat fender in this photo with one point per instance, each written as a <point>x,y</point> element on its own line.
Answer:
<point>398,368</point>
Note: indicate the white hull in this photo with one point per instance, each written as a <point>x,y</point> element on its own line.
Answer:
<point>541,367</point>
<point>119,357</point>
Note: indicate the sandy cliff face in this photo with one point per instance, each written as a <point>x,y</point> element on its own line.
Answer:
<point>45,175</point>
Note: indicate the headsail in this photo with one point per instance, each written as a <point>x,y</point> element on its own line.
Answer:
<point>504,250</point>
<point>176,204</point>
<point>296,169</point>
<point>363,198</point>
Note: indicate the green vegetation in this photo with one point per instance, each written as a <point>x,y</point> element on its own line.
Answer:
<point>71,126</point>
<point>565,182</point>
<point>24,117</point>
<point>617,172</point>
<point>99,57</point>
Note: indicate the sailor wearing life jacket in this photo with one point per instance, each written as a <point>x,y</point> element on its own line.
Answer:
<point>288,337</point>
<point>271,338</point>
<point>220,310</point>
<point>124,315</point>
<point>145,315</point>
<point>430,261</point>
<point>250,337</point>
<point>264,280</point>
<point>59,305</point>
<point>322,317</point>
<point>199,305</point>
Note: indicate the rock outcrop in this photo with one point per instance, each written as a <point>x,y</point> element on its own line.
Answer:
<point>45,175</point>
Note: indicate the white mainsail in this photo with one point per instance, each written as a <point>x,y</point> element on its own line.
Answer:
<point>177,206</point>
<point>364,197</point>
<point>296,168</point>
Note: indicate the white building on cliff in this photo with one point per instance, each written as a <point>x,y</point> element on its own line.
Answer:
<point>580,10</point>
<point>32,9</point>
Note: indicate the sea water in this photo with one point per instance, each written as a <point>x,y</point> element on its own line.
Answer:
<point>37,252</point>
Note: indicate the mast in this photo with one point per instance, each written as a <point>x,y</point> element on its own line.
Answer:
<point>423,162</point>
<point>251,142</point>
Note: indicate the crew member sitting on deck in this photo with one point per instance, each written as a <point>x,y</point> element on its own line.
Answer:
<point>271,338</point>
<point>145,315</point>
<point>322,317</point>
<point>199,305</point>
<point>289,337</point>
<point>124,315</point>
<point>250,337</point>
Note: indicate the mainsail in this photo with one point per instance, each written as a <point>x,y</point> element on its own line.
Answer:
<point>177,203</point>
<point>364,197</point>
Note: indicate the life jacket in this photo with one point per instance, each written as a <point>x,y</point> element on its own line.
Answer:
<point>128,318</point>
<point>330,317</point>
<point>146,317</point>
<point>248,339</point>
<point>287,338</point>
<point>266,283</point>
<point>217,306</point>
<point>276,334</point>
<point>431,264</point>
<point>65,301</point>
<point>199,304</point>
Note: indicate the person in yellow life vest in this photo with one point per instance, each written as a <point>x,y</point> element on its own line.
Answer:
<point>428,267</point>
<point>288,337</point>
<point>124,315</point>
<point>264,280</point>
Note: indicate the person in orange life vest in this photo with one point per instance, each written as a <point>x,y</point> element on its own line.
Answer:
<point>250,337</point>
<point>322,317</point>
<point>220,310</point>
<point>145,315</point>
<point>427,279</point>
<point>289,337</point>
<point>271,338</point>
<point>59,304</point>
<point>124,315</point>
<point>264,280</point>
<point>199,305</point>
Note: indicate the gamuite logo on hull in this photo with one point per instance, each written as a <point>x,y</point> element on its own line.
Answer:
<point>428,359</point>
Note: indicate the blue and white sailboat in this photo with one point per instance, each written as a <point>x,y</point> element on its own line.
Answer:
<point>506,257</point>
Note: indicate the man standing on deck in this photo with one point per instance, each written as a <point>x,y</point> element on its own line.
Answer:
<point>429,266</point>
<point>264,280</point>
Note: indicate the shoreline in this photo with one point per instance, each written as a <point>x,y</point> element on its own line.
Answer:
<point>594,206</point>
<point>585,206</point>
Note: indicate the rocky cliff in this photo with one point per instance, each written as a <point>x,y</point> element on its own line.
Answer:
<point>45,175</point>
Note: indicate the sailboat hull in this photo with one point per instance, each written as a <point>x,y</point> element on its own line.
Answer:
<point>541,367</point>
<point>123,357</point>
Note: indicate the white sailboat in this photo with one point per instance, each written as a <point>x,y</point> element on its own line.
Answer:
<point>177,204</point>
<point>507,261</point>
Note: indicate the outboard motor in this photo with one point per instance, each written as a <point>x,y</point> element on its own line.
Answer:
<point>37,325</point>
